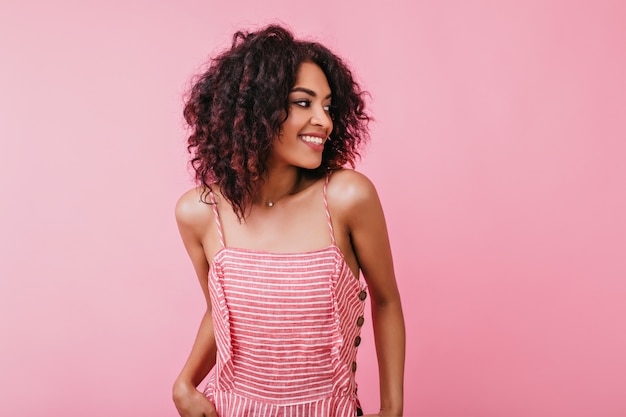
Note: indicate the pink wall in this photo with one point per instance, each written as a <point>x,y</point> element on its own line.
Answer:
<point>498,152</point>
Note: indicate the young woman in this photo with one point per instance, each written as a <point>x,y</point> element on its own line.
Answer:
<point>279,233</point>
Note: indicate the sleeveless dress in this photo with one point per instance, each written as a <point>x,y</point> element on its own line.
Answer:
<point>287,327</point>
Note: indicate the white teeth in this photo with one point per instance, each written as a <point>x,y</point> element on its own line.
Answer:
<point>312,139</point>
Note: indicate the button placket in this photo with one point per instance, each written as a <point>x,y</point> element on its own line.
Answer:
<point>359,322</point>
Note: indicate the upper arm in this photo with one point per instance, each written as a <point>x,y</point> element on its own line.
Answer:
<point>194,219</point>
<point>362,217</point>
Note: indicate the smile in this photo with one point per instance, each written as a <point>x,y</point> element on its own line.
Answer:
<point>312,139</point>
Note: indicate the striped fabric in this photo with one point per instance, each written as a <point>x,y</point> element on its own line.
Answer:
<point>287,329</point>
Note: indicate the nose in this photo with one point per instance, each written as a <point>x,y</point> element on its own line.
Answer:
<point>321,118</point>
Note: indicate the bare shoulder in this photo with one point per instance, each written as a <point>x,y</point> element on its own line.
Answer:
<point>191,212</point>
<point>349,189</point>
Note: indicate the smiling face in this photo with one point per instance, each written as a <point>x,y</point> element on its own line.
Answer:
<point>308,125</point>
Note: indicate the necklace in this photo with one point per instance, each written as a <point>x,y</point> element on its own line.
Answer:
<point>271,203</point>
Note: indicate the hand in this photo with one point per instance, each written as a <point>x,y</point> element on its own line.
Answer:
<point>192,403</point>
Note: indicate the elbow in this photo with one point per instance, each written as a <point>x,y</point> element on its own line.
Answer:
<point>387,302</point>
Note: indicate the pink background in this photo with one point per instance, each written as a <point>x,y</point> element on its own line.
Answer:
<point>498,152</point>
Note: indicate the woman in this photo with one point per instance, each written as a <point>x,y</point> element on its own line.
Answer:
<point>278,234</point>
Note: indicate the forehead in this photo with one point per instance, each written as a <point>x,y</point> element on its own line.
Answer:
<point>311,76</point>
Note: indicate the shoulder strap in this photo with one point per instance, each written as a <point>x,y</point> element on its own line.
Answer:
<point>218,223</point>
<point>330,221</point>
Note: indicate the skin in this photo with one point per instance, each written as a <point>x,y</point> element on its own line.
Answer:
<point>297,223</point>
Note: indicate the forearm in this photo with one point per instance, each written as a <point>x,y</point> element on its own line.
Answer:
<point>202,356</point>
<point>389,336</point>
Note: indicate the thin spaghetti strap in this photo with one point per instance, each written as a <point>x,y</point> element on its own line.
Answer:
<point>330,222</point>
<point>218,223</point>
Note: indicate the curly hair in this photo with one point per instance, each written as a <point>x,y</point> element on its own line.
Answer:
<point>236,108</point>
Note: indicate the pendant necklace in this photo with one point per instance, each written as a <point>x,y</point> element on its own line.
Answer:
<point>272,203</point>
<point>291,192</point>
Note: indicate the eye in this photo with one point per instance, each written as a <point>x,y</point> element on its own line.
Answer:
<point>302,103</point>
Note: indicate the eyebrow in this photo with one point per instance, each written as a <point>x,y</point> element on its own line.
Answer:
<point>307,91</point>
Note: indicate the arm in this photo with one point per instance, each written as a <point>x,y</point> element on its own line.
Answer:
<point>192,220</point>
<point>365,224</point>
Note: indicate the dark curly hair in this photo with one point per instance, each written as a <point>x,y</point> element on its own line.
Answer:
<point>236,108</point>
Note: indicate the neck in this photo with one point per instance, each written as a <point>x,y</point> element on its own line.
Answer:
<point>277,184</point>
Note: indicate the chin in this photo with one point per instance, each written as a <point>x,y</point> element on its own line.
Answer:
<point>311,165</point>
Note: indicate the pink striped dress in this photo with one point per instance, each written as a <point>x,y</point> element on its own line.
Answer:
<point>287,329</point>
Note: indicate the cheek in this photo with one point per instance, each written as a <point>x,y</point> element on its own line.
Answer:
<point>292,125</point>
